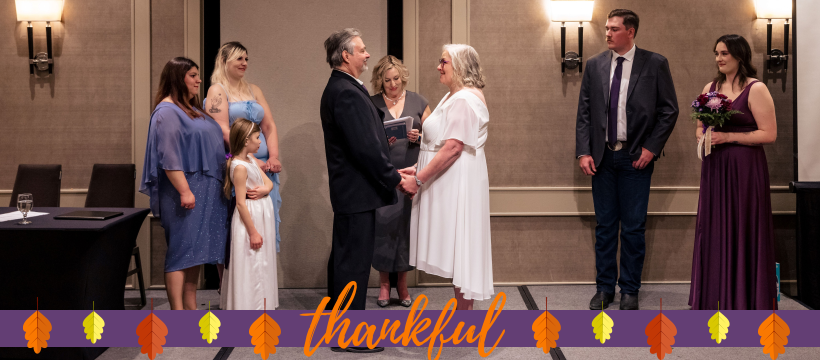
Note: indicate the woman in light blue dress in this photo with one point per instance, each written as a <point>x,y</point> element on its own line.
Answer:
<point>231,97</point>
<point>183,173</point>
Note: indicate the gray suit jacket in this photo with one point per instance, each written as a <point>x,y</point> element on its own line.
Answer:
<point>651,106</point>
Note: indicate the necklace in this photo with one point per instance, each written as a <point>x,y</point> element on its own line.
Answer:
<point>397,100</point>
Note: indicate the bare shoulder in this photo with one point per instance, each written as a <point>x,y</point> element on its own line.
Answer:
<point>759,90</point>
<point>215,89</point>
<point>707,87</point>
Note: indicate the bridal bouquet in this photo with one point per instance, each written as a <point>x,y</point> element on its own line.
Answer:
<point>712,109</point>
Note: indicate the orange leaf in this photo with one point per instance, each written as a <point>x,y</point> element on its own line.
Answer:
<point>774,335</point>
<point>661,335</point>
<point>264,335</point>
<point>152,332</point>
<point>37,329</point>
<point>546,328</point>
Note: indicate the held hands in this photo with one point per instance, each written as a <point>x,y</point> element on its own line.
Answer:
<point>587,165</point>
<point>187,200</point>
<point>274,165</point>
<point>413,135</point>
<point>256,241</point>
<point>646,158</point>
<point>408,185</point>
<point>408,171</point>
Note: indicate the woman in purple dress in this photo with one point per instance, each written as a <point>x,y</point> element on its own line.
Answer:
<point>733,261</point>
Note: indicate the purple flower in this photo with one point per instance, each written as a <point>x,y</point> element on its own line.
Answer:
<point>228,156</point>
<point>714,103</point>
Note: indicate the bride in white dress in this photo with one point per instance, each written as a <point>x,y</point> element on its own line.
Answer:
<point>250,279</point>
<point>450,221</point>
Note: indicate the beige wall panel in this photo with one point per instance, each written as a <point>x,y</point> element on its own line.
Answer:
<point>81,114</point>
<point>533,108</point>
<point>167,36</point>
<point>435,17</point>
<point>287,61</point>
<point>562,249</point>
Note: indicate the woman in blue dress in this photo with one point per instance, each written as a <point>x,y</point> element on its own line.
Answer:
<point>183,173</point>
<point>231,97</point>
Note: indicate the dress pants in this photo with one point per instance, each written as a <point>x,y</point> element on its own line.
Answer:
<point>620,194</point>
<point>351,255</point>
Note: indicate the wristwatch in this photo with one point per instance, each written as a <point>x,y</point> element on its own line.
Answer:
<point>418,182</point>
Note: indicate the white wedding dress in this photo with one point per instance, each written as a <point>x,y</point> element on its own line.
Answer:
<point>251,276</point>
<point>450,221</point>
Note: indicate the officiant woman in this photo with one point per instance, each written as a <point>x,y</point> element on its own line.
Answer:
<point>392,248</point>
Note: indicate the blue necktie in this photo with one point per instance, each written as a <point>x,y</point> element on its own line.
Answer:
<point>614,92</point>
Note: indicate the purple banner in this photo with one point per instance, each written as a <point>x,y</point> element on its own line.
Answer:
<point>516,325</point>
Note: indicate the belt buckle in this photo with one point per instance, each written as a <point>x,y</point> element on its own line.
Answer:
<point>618,146</point>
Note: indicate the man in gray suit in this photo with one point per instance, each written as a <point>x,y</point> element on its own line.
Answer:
<point>626,111</point>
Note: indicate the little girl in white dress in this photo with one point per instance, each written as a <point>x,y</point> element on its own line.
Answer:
<point>251,276</point>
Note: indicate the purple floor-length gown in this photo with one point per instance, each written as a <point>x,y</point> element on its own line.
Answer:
<point>733,261</point>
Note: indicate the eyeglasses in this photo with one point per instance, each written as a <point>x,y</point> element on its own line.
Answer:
<point>442,61</point>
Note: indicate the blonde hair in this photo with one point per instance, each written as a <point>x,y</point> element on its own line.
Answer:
<point>227,52</point>
<point>466,66</point>
<point>241,130</point>
<point>386,63</point>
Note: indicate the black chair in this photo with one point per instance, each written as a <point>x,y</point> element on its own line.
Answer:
<point>112,185</point>
<point>42,181</point>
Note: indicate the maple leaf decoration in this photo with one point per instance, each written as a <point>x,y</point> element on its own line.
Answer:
<point>546,328</point>
<point>774,335</point>
<point>93,325</point>
<point>152,332</point>
<point>37,328</point>
<point>264,334</point>
<point>661,334</point>
<point>602,326</point>
<point>209,325</point>
<point>718,326</point>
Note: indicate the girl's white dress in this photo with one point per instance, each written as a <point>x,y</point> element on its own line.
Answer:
<point>251,276</point>
<point>450,221</point>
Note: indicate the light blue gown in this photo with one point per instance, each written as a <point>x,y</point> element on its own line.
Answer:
<point>251,110</point>
<point>195,147</point>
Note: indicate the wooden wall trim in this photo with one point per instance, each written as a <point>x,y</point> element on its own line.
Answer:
<point>461,22</point>
<point>410,36</point>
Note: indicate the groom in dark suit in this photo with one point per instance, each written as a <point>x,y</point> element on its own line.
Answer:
<point>626,111</point>
<point>361,177</point>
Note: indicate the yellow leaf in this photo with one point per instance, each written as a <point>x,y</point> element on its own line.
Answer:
<point>602,326</point>
<point>718,327</point>
<point>93,325</point>
<point>209,326</point>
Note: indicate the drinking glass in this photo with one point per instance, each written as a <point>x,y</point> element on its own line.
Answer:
<point>24,204</point>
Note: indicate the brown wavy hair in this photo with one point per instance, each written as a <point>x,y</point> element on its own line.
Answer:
<point>172,85</point>
<point>241,130</point>
<point>739,49</point>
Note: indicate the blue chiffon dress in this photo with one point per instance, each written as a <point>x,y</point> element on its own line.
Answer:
<point>194,146</point>
<point>251,110</point>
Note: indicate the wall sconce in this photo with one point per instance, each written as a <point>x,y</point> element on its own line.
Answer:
<point>39,10</point>
<point>571,11</point>
<point>775,9</point>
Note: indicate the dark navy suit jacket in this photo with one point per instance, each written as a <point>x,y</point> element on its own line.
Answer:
<point>361,177</point>
<point>651,106</point>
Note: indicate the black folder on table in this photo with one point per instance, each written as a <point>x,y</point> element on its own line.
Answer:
<point>88,215</point>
